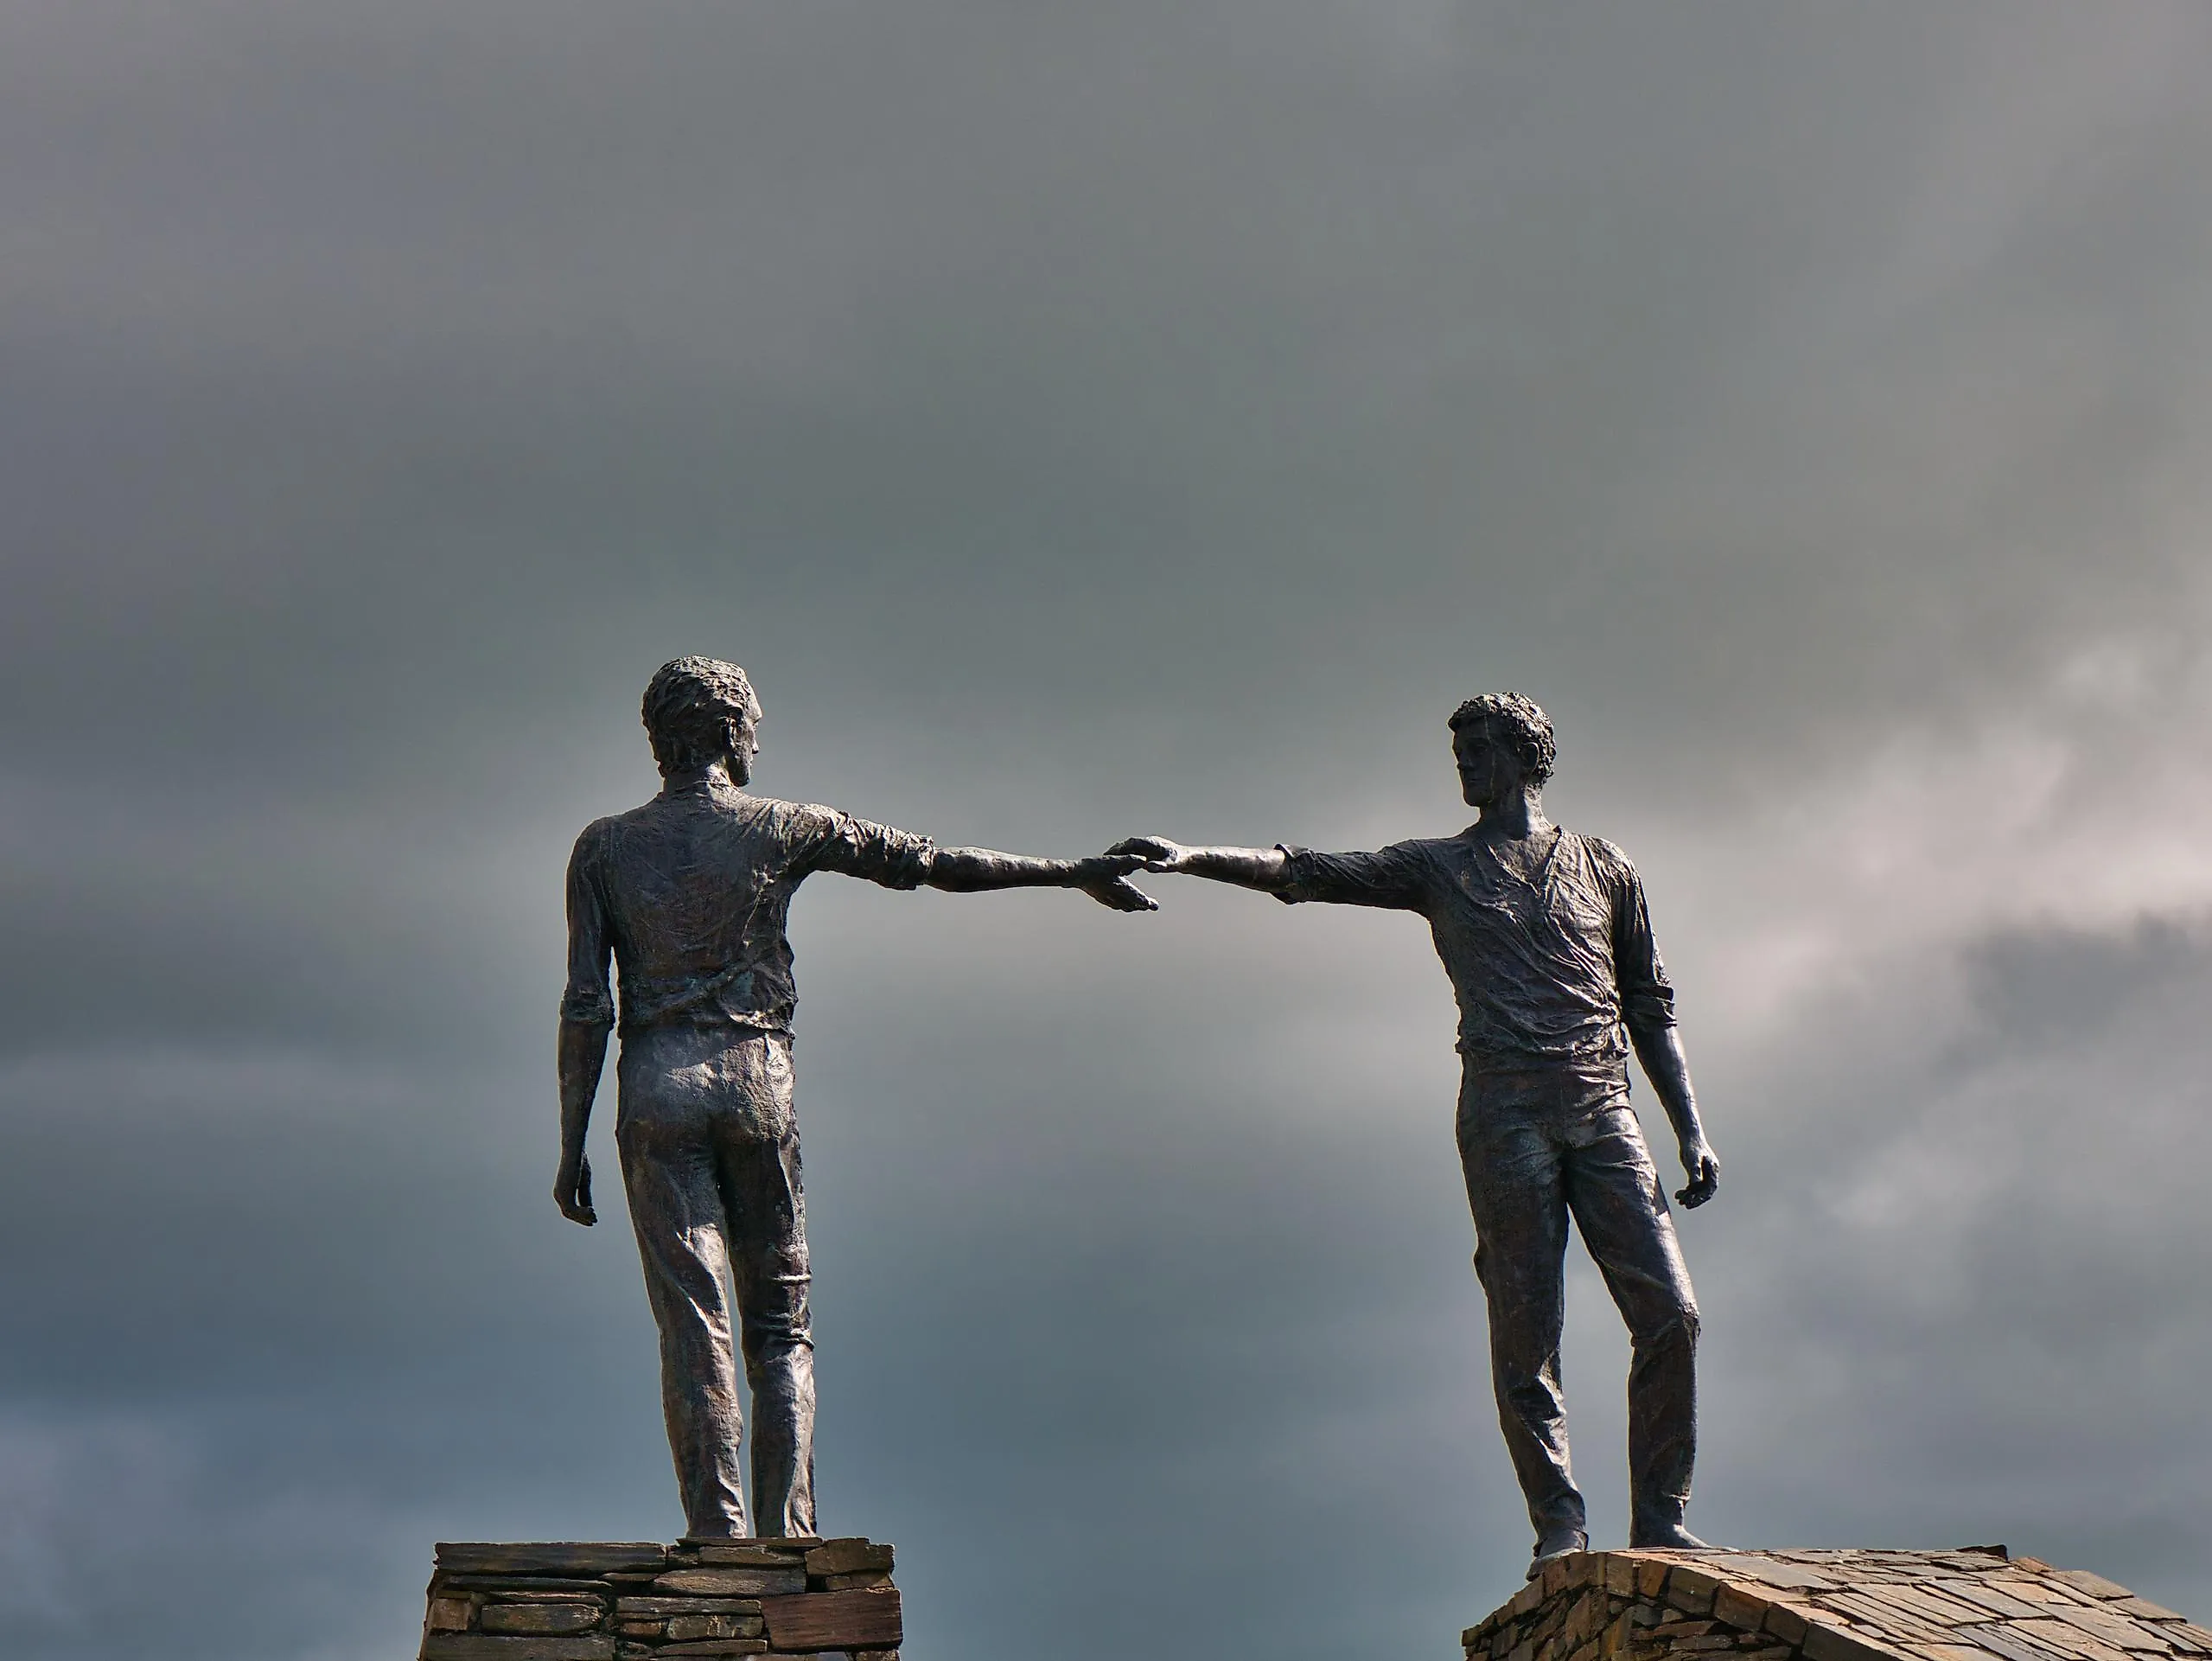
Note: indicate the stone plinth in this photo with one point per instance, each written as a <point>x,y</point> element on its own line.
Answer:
<point>595,1601</point>
<point>1972,1605</point>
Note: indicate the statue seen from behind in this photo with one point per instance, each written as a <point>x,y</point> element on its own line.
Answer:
<point>689,894</point>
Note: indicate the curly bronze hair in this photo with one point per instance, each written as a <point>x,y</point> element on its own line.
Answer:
<point>689,705</point>
<point>1522,723</point>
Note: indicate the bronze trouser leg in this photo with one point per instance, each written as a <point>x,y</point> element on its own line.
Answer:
<point>1531,1154</point>
<point>764,1194</point>
<point>1618,1203</point>
<point>710,1164</point>
<point>1517,1194</point>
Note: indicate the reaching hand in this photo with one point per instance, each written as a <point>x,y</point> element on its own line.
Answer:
<point>1105,879</point>
<point>1703,1171</point>
<point>1121,895</point>
<point>573,1191</point>
<point>1156,852</point>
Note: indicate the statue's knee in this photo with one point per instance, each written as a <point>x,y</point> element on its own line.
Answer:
<point>1678,1329</point>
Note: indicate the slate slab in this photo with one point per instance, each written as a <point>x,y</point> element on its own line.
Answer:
<point>835,1620</point>
<point>570,1557</point>
<point>732,1581</point>
<point>480,1647</point>
<point>540,1618</point>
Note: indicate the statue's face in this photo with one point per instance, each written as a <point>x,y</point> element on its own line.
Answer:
<point>744,744</point>
<point>1490,771</point>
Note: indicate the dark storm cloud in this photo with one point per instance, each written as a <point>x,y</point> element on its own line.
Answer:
<point>1156,419</point>
<point>2020,1266</point>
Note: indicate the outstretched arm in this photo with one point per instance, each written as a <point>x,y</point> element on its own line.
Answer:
<point>827,839</point>
<point>973,870</point>
<point>1265,869</point>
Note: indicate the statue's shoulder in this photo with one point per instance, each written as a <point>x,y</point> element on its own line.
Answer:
<point>601,832</point>
<point>1428,860</point>
<point>781,816</point>
<point>1444,849</point>
<point>593,837</point>
<point>597,838</point>
<point>789,827</point>
<point>1607,857</point>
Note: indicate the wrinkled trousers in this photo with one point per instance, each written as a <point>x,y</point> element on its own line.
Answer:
<point>709,1150</point>
<point>1537,1147</point>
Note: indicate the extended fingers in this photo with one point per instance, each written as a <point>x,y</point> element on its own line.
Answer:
<point>1143,847</point>
<point>1124,896</point>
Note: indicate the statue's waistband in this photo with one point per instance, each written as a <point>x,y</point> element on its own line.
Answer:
<point>703,1016</point>
<point>1597,1062</point>
<point>697,1000</point>
<point>1490,1081</point>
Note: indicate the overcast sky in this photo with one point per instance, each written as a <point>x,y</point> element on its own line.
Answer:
<point>1082,421</point>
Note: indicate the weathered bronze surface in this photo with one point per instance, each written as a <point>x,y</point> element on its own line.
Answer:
<point>1544,936</point>
<point>689,895</point>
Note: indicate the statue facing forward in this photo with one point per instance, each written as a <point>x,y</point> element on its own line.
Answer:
<point>690,894</point>
<point>1546,938</point>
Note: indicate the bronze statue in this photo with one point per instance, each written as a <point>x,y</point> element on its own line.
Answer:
<point>690,893</point>
<point>1545,937</point>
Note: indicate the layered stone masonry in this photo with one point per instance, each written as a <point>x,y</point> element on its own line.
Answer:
<point>587,1602</point>
<point>1972,1605</point>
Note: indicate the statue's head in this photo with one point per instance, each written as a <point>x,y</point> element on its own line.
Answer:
<point>1500,741</point>
<point>698,711</point>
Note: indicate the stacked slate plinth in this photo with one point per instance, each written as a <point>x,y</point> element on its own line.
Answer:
<point>832,1600</point>
<point>1972,1605</point>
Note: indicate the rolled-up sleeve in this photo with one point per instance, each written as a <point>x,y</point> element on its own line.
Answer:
<point>587,1000</point>
<point>1391,878</point>
<point>1647,995</point>
<point>828,840</point>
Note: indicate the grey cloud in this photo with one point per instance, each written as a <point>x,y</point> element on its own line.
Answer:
<point>2007,1233</point>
